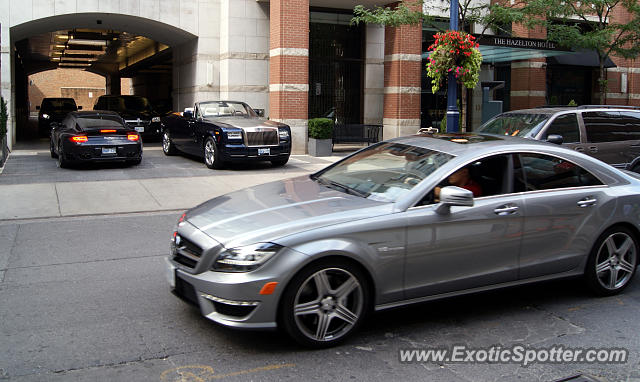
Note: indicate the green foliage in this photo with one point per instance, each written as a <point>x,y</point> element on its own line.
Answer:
<point>454,52</point>
<point>3,117</point>
<point>320,128</point>
<point>572,103</point>
<point>401,15</point>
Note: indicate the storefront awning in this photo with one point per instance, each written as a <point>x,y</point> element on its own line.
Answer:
<point>582,58</point>
<point>497,54</point>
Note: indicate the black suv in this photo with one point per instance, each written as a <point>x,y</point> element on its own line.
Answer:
<point>609,133</point>
<point>53,110</point>
<point>135,110</point>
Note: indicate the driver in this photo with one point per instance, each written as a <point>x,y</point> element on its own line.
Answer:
<point>462,178</point>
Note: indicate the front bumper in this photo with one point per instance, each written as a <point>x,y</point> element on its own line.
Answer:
<point>240,152</point>
<point>234,299</point>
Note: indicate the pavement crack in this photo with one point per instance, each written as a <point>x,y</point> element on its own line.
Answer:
<point>55,187</point>
<point>87,262</point>
<point>150,194</point>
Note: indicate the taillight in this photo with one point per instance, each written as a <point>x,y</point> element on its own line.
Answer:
<point>79,138</point>
<point>182,217</point>
<point>107,131</point>
<point>133,137</point>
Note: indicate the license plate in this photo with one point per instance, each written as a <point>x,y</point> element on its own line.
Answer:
<point>171,274</point>
<point>108,150</point>
<point>266,151</point>
<point>140,129</point>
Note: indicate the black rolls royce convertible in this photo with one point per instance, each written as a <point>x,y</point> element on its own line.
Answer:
<point>225,131</point>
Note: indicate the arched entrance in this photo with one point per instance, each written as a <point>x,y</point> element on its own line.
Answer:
<point>127,44</point>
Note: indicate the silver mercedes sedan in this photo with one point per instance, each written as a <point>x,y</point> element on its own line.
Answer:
<point>404,221</point>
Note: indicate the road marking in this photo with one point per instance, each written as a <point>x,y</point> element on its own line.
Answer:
<point>201,373</point>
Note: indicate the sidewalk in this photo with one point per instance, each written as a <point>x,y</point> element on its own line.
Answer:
<point>73,198</point>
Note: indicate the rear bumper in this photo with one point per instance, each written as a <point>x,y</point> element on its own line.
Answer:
<point>94,152</point>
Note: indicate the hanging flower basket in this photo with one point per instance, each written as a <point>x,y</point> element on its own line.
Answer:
<point>455,52</point>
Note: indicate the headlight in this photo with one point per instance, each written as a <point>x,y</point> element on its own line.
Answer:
<point>45,116</point>
<point>284,134</point>
<point>245,259</point>
<point>155,119</point>
<point>234,134</point>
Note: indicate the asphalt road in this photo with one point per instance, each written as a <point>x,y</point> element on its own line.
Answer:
<point>84,298</point>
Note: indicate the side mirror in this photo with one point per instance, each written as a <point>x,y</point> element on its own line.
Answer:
<point>555,138</point>
<point>79,107</point>
<point>260,112</point>
<point>37,107</point>
<point>188,114</point>
<point>453,196</point>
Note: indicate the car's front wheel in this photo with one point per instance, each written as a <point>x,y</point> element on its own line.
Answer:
<point>612,262</point>
<point>168,148</point>
<point>211,154</point>
<point>280,162</point>
<point>325,303</point>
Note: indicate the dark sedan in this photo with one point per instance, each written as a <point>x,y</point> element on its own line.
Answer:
<point>226,131</point>
<point>94,136</point>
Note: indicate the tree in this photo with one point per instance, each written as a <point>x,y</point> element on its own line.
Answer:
<point>583,25</point>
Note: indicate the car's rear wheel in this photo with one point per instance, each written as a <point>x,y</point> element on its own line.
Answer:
<point>612,262</point>
<point>325,303</point>
<point>62,160</point>
<point>280,162</point>
<point>52,149</point>
<point>211,154</point>
<point>168,148</point>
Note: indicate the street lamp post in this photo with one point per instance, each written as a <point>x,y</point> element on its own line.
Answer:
<point>453,114</point>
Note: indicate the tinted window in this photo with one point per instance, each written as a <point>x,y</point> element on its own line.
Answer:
<point>59,104</point>
<point>544,172</point>
<point>611,126</point>
<point>567,126</point>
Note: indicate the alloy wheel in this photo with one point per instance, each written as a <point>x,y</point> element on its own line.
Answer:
<point>209,152</point>
<point>328,304</point>
<point>616,261</point>
<point>166,143</point>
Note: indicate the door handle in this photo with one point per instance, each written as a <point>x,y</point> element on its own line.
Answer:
<point>593,149</point>
<point>506,210</point>
<point>587,202</point>
<point>581,149</point>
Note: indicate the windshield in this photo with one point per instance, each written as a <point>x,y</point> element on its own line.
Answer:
<point>383,172</point>
<point>515,124</point>
<point>59,105</point>
<point>224,109</point>
<point>129,103</point>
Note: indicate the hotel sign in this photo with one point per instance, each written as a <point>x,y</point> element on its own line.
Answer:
<point>517,42</point>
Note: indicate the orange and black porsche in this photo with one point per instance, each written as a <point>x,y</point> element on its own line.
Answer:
<point>94,136</point>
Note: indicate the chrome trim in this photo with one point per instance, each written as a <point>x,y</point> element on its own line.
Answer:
<point>229,302</point>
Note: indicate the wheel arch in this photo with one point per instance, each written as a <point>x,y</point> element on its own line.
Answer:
<point>335,256</point>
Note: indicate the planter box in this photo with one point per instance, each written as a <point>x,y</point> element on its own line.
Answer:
<point>320,147</point>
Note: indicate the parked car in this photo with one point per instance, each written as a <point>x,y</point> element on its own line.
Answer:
<point>314,254</point>
<point>53,110</point>
<point>136,112</point>
<point>94,136</point>
<point>226,131</point>
<point>609,133</point>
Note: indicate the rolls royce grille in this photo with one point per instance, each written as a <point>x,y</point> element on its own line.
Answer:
<point>262,138</point>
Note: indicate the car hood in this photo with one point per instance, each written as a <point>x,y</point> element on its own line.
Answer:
<point>244,122</point>
<point>277,209</point>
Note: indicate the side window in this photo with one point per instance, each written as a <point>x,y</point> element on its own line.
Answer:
<point>485,177</point>
<point>630,126</point>
<point>603,126</point>
<point>545,172</point>
<point>567,126</point>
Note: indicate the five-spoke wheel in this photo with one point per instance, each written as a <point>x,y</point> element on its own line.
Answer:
<point>325,303</point>
<point>613,261</point>
<point>211,155</point>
